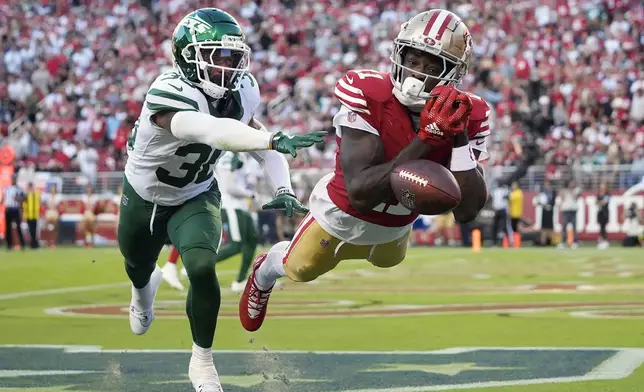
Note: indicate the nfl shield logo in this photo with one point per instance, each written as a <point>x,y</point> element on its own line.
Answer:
<point>324,243</point>
<point>408,199</point>
<point>352,117</point>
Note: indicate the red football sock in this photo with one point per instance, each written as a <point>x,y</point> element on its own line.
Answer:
<point>174,256</point>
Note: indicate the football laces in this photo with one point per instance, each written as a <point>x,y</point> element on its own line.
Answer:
<point>413,178</point>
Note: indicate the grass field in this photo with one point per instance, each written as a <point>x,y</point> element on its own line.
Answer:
<point>524,320</point>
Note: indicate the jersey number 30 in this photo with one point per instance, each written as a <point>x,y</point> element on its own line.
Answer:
<point>197,171</point>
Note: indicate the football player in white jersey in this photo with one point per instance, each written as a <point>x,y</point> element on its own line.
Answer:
<point>238,223</point>
<point>204,106</point>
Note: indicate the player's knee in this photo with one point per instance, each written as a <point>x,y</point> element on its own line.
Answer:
<point>199,263</point>
<point>386,262</point>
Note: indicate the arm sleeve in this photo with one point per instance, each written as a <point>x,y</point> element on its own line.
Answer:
<point>221,133</point>
<point>275,165</point>
<point>479,147</point>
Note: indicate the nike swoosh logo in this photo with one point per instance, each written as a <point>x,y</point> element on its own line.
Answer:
<point>479,142</point>
<point>350,80</point>
<point>180,89</point>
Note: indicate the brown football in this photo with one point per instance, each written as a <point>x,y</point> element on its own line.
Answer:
<point>425,187</point>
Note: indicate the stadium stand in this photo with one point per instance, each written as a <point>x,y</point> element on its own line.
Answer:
<point>564,77</point>
<point>74,73</point>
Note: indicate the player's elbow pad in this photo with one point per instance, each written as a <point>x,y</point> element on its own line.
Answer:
<point>221,133</point>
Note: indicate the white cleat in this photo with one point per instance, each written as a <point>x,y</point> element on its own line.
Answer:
<point>203,376</point>
<point>171,276</point>
<point>141,319</point>
<point>238,287</point>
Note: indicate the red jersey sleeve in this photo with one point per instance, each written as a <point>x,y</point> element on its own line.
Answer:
<point>361,92</point>
<point>479,125</point>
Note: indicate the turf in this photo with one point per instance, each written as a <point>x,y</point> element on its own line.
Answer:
<point>438,299</point>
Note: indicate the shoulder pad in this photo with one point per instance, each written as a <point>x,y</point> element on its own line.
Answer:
<point>249,90</point>
<point>480,108</point>
<point>358,89</point>
<point>170,91</point>
<point>479,119</point>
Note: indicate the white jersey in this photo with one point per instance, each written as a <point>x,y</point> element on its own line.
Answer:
<point>165,170</point>
<point>233,184</point>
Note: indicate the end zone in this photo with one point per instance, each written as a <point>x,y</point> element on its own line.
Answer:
<point>94,369</point>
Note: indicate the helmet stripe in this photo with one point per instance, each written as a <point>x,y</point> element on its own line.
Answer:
<point>438,24</point>
<point>446,22</point>
<point>430,23</point>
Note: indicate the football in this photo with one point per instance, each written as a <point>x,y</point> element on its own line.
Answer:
<point>425,187</point>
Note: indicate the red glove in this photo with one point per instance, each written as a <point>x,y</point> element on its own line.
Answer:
<point>445,114</point>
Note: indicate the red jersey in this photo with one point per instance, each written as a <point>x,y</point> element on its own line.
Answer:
<point>372,107</point>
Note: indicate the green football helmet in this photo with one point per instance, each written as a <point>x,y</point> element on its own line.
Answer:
<point>209,50</point>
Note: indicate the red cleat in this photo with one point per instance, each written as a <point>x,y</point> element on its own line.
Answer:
<point>254,301</point>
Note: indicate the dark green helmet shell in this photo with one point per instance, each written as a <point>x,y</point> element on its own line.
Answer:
<point>207,26</point>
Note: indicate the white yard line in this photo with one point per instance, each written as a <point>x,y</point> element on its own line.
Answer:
<point>63,290</point>
<point>76,289</point>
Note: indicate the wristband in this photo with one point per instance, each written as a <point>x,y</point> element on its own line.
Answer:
<point>283,190</point>
<point>462,159</point>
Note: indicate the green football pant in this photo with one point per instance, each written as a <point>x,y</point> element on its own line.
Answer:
<point>194,228</point>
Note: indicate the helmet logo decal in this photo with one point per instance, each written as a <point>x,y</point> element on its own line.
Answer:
<point>197,24</point>
<point>429,41</point>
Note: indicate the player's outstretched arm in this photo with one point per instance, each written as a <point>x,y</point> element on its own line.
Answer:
<point>365,175</point>
<point>276,172</point>
<point>229,134</point>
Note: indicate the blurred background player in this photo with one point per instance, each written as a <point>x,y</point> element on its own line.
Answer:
<point>52,216</point>
<point>568,205</point>
<point>87,225</point>
<point>443,229</point>
<point>241,233</point>
<point>515,207</point>
<point>170,274</point>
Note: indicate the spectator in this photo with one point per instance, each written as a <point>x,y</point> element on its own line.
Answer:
<point>637,103</point>
<point>578,62</point>
<point>569,205</point>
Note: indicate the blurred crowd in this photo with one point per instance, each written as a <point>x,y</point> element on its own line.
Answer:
<point>74,73</point>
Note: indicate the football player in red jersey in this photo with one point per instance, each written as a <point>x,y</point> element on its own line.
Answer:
<point>413,112</point>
